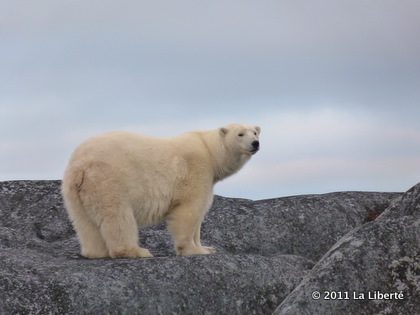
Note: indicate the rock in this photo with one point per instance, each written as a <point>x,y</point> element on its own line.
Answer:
<point>377,258</point>
<point>300,225</point>
<point>266,250</point>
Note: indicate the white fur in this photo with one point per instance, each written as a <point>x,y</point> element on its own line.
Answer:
<point>118,182</point>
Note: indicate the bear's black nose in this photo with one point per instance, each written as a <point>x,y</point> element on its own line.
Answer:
<point>256,144</point>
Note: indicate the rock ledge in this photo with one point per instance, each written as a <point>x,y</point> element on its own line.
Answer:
<point>272,255</point>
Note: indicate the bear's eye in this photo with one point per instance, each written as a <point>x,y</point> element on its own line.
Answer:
<point>255,133</point>
<point>241,134</point>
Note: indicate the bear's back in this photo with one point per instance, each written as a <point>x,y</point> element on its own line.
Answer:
<point>117,147</point>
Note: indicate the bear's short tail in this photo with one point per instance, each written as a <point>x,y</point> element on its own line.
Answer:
<point>70,188</point>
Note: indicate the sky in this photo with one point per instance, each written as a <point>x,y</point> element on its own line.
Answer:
<point>334,85</point>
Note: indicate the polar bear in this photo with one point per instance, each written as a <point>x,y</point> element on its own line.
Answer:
<point>119,182</point>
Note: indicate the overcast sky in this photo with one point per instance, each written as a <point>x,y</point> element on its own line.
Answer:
<point>334,85</point>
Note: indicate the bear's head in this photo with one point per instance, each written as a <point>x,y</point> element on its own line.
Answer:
<point>241,139</point>
<point>232,147</point>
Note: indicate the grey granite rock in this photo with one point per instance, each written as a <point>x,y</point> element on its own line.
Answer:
<point>265,250</point>
<point>305,225</point>
<point>379,257</point>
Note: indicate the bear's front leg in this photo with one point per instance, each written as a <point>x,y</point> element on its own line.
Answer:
<point>197,240</point>
<point>184,224</point>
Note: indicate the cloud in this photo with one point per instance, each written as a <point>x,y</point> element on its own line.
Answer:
<point>167,57</point>
<point>302,151</point>
<point>329,149</point>
<point>334,84</point>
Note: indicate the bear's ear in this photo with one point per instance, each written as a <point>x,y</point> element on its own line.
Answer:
<point>223,131</point>
<point>258,129</point>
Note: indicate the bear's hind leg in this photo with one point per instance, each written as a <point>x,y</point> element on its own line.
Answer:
<point>91,242</point>
<point>120,233</point>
